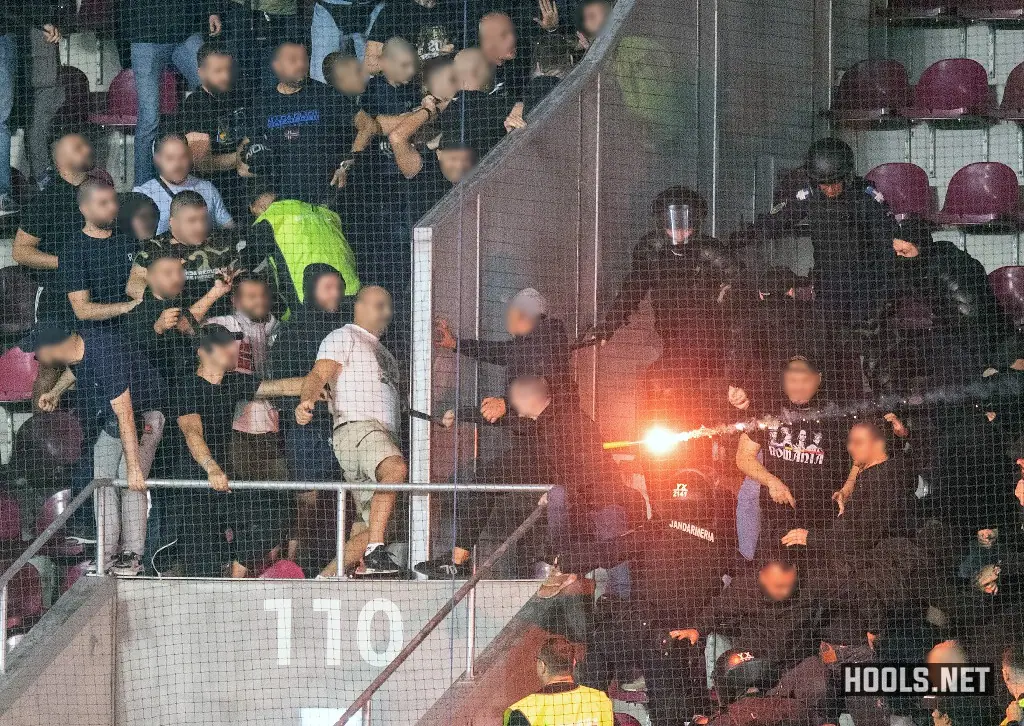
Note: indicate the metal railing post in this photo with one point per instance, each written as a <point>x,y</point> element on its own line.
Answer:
<point>3,629</point>
<point>339,549</point>
<point>366,714</point>
<point>101,528</point>
<point>471,626</point>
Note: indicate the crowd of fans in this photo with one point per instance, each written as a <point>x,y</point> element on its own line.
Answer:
<point>834,464</point>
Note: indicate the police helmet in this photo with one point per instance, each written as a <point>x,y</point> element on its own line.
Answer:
<point>680,207</point>
<point>829,160</point>
<point>738,671</point>
<point>691,503</point>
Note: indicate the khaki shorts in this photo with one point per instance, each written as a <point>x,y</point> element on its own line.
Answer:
<point>360,447</point>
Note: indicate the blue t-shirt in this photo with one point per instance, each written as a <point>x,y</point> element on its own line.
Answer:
<point>107,370</point>
<point>101,266</point>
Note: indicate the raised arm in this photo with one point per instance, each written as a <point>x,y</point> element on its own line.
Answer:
<point>366,128</point>
<point>136,286</point>
<point>324,371</point>
<point>406,156</point>
<point>191,425</point>
<point>280,387</point>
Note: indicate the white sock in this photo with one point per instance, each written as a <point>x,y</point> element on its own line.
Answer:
<point>371,547</point>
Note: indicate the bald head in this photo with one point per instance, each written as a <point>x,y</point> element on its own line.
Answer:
<point>373,309</point>
<point>473,72</point>
<point>948,651</point>
<point>497,38</point>
<point>398,61</point>
<point>72,154</point>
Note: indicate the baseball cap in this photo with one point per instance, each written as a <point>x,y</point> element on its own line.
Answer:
<point>43,335</point>
<point>801,359</point>
<point>213,334</point>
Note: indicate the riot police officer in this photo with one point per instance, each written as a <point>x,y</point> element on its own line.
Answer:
<point>850,229</point>
<point>693,283</point>
<point>742,683</point>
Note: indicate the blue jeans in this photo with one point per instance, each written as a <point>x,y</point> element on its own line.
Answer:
<point>328,36</point>
<point>748,517</point>
<point>606,524</point>
<point>148,63</point>
<point>8,76</point>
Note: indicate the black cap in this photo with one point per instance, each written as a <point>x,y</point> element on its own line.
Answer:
<point>829,160</point>
<point>45,334</point>
<point>809,363</point>
<point>213,334</point>
<point>738,671</point>
<point>916,231</point>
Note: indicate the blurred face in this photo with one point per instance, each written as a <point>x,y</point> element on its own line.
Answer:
<point>455,163</point>
<point>498,38</point>
<point>948,651</point>
<point>73,155</point>
<point>173,160</point>
<point>519,323</point>
<point>166,278</point>
<point>679,236</point>
<point>800,383</point>
<point>222,357</point>
<point>217,73</point>
<point>144,223</point>
<point>399,66</point>
<point>527,400</point>
<point>902,248</point>
<point>831,190</point>
<point>100,209</point>
<point>443,83</point>
<point>777,582</point>
<point>291,64</point>
<point>863,446</point>
<point>373,309</point>
<point>472,71</point>
<point>252,298</point>
<point>327,293</point>
<point>594,17</point>
<point>348,78</point>
<point>190,225</point>
<point>987,579</point>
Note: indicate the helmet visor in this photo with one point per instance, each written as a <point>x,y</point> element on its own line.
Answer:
<point>678,218</point>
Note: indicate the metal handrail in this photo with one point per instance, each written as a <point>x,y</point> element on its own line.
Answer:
<point>93,487</point>
<point>364,698</point>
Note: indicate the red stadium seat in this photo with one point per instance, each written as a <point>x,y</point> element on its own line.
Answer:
<point>18,371</point>
<point>951,89</point>
<point>872,90</point>
<point>981,193</point>
<point>990,9</point>
<point>284,570</point>
<point>1011,108</point>
<point>1007,285</point>
<point>10,519</point>
<point>905,188</point>
<point>17,300</point>
<point>24,598</point>
<point>122,109</point>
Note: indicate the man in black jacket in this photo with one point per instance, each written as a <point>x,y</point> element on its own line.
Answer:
<point>850,230</point>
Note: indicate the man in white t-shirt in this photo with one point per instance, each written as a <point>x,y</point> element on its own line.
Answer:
<point>362,379</point>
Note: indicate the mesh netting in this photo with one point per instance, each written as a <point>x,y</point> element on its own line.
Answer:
<point>532,362</point>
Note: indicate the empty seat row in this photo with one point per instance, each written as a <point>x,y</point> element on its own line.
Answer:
<point>951,89</point>
<point>979,194</point>
<point>970,10</point>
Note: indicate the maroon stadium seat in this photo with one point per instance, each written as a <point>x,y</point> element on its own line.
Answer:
<point>59,545</point>
<point>10,519</point>
<point>981,193</point>
<point>18,371</point>
<point>873,90</point>
<point>122,109</point>
<point>75,110</point>
<point>1012,106</point>
<point>920,9</point>
<point>990,9</point>
<point>17,300</point>
<point>905,188</point>
<point>284,570</point>
<point>1007,285</point>
<point>24,598</point>
<point>951,89</point>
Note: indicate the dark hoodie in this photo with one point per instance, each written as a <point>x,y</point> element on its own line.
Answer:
<point>294,352</point>
<point>128,205</point>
